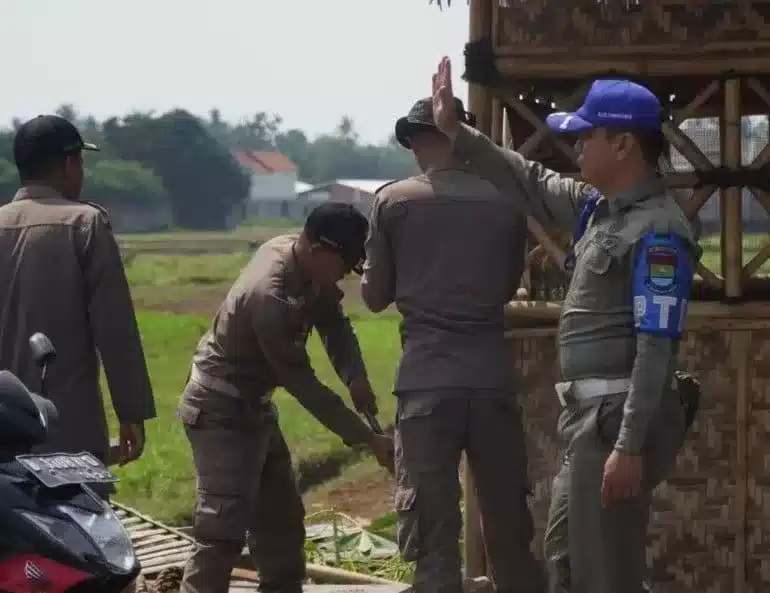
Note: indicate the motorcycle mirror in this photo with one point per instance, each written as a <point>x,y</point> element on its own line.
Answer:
<point>43,352</point>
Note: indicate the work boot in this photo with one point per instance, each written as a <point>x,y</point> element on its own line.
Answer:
<point>559,576</point>
<point>478,585</point>
<point>291,587</point>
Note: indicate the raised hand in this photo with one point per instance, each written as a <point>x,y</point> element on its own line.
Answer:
<point>444,110</point>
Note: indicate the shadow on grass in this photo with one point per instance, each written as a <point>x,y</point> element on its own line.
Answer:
<point>319,469</point>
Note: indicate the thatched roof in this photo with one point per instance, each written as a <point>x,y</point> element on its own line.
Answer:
<point>623,4</point>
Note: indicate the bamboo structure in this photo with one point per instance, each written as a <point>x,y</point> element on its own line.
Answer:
<point>704,59</point>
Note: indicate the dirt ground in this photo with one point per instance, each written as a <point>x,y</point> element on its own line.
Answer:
<point>363,492</point>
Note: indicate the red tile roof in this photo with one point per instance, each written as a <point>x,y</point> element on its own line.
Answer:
<point>265,162</point>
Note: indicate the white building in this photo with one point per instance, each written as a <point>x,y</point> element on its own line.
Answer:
<point>273,183</point>
<point>359,192</point>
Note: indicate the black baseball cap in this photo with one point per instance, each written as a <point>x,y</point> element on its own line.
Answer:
<point>420,117</point>
<point>340,228</point>
<point>47,137</point>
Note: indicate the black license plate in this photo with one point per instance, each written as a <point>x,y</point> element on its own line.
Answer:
<point>62,469</point>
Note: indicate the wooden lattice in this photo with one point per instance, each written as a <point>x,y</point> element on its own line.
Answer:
<point>525,114</point>
<point>712,514</point>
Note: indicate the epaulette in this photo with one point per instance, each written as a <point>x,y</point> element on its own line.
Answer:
<point>384,185</point>
<point>102,210</point>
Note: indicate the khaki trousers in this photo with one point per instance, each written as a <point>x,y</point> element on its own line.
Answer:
<point>433,428</point>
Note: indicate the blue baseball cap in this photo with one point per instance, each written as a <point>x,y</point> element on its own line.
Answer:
<point>612,104</point>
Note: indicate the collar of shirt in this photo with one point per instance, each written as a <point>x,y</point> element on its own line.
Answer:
<point>623,200</point>
<point>36,191</point>
<point>297,285</point>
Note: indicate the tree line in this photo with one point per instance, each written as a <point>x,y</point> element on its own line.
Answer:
<point>185,162</point>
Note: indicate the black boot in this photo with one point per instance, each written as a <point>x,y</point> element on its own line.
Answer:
<point>288,587</point>
<point>559,578</point>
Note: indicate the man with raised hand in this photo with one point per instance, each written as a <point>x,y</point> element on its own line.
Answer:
<point>623,417</point>
<point>447,247</point>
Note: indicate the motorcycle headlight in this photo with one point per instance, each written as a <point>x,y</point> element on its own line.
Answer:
<point>106,530</point>
<point>67,535</point>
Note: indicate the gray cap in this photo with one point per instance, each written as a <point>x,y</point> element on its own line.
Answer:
<point>420,116</point>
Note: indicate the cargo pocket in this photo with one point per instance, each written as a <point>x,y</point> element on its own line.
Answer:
<point>597,260</point>
<point>219,518</point>
<point>609,417</point>
<point>407,530</point>
<point>188,414</point>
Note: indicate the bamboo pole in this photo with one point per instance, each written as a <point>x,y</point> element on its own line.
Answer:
<point>507,139</point>
<point>497,121</point>
<point>740,343</point>
<point>732,233</point>
<point>479,97</point>
<point>474,548</point>
<point>479,103</point>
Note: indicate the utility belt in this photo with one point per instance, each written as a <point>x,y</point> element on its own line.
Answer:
<point>223,386</point>
<point>581,391</point>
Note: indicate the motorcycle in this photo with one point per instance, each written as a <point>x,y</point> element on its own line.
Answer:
<point>56,534</point>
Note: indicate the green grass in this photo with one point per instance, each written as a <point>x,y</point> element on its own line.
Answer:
<point>161,483</point>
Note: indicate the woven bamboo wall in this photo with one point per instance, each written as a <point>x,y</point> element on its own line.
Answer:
<point>697,534</point>
<point>624,25</point>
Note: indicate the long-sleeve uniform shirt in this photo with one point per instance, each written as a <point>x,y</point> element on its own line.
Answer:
<point>61,274</point>
<point>258,339</point>
<point>597,335</point>
<point>448,248</point>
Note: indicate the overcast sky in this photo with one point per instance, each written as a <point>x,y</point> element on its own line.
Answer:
<point>311,61</point>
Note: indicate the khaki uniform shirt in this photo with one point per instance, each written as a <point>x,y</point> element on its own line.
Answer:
<point>257,342</point>
<point>448,248</point>
<point>61,274</point>
<point>596,334</point>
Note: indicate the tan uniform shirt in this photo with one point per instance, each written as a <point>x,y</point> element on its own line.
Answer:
<point>61,274</point>
<point>258,339</point>
<point>448,248</point>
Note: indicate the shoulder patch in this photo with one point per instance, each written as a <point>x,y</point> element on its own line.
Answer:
<point>661,263</point>
<point>102,210</point>
<point>662,280</point>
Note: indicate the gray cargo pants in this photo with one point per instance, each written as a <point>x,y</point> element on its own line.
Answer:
<point>433,428</point>
<point>245,491</point>
<point>590,548</point>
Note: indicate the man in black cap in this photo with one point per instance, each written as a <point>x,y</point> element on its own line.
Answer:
<point>63,276</point>
<point>448,248</point>
<point>245,481</point>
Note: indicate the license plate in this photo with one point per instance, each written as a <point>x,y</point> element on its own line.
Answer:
<point>62,469</point>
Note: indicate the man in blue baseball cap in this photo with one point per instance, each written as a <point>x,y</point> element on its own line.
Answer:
<point>619,119</point>
<point>622,413</point>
